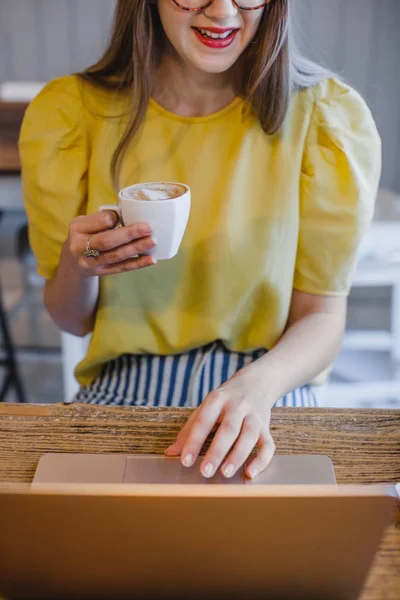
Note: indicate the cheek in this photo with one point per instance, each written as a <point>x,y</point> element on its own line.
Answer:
<point>252,22</point>
<point>174,22</point>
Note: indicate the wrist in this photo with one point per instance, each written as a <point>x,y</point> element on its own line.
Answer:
<point>69,265</point>
<point>264,381</point>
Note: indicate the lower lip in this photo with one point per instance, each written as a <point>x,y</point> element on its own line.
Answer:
<point>213,43</point>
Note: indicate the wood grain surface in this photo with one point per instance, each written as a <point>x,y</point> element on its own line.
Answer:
<point>364,446</point>
<point>11,115</point>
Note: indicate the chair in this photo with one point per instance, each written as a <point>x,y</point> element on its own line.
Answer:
<point>378,266</point>
<point>8,361</point>
<point>31,281</point>
<point>73,350</point>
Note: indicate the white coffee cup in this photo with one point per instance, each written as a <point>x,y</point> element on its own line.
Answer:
<point>168,216</point>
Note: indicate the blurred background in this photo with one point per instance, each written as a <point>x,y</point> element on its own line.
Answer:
<point>359,39</point>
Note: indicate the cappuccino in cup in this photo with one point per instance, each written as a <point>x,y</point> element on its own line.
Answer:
<point>155,191</point>
<point>165,205</point>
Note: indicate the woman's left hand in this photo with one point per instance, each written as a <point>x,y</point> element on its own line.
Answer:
<point>241,412</point>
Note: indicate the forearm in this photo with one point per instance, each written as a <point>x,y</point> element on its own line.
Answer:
<point>308,346</point>
<point>71,298</point>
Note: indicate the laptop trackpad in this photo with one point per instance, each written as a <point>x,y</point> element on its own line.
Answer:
<point>154,469</point>
<point>80,468</point>
<point>304,469</point>
<point>300,469</point>
<point>119,468</point>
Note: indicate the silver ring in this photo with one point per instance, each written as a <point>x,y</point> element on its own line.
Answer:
<point>90,252</point>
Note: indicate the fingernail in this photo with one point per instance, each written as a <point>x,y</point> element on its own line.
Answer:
<point>154,240</point>
<point>187,460</point>
<point>228,470</point>
<point>208,470</point>
<point>110,219</point>
<point>145,228</point>
<point>253,472</point>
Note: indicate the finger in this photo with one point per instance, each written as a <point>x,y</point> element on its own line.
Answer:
<point>176,447</point>
<point>126,251</point>
<point>227,434</point>
<point>203,423</point>
<point>265,453</point>
<point>133,264</point>
<point>108,240</point>
<point>95,222</point>
<point>248,438</point>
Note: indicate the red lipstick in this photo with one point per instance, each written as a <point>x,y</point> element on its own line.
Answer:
<point>222,42</point>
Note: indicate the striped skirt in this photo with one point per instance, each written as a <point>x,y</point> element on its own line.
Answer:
<point>176,380</point>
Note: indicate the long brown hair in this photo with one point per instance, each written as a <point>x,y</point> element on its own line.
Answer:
<point>272,65</point>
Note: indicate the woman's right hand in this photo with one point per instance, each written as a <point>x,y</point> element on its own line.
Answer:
<point>119,247</point>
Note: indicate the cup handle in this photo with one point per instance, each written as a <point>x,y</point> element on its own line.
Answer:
<point>115,207</point>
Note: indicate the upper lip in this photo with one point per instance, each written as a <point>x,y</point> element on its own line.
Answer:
<point>218,29</point>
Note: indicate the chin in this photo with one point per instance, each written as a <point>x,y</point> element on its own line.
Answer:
<point>215,70</point>
<point>213,65</point>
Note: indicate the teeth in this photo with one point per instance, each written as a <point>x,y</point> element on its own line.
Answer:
<point>216,36</point>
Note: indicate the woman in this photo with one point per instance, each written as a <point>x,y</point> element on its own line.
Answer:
<point>283,162</point>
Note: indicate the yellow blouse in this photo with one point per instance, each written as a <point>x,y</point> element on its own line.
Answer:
<point>269,213</point>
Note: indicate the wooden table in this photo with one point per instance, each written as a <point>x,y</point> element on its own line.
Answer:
<point>11,115</point>
<point>363,444</point>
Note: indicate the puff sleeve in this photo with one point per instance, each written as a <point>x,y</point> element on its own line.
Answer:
<point>339,182</point>
<point>54,159</point>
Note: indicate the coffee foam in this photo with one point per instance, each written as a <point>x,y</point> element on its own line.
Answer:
<point>155,192</point>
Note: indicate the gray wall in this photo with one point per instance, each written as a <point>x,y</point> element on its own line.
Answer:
<point>41,39</point>
<point>360,40</point>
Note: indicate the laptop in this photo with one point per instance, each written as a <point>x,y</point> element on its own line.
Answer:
<point>162,540</point>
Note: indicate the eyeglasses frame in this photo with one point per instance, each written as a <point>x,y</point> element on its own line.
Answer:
<point>265,3</point>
